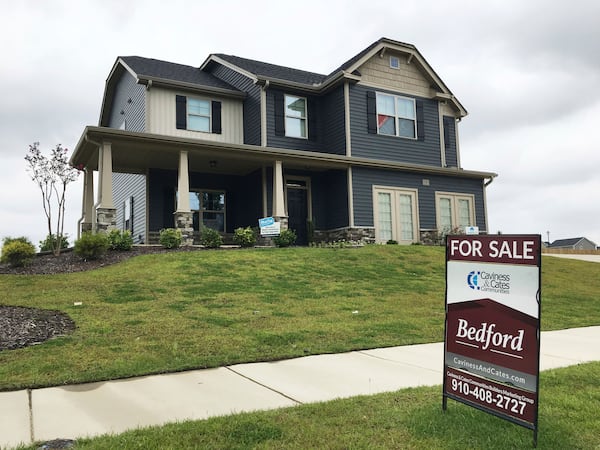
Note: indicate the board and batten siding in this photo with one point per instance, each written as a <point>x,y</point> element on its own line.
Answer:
<point>393,148</point>
<point>363,180</point>
<point>162,118</point>
<point>251,108</point>
<point>128,185</point>
<point>133,117</point>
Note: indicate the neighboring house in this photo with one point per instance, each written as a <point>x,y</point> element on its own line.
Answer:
<point>579,243</point>
<point>369,152</point>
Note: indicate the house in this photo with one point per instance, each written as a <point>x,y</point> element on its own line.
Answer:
<point>368,152</point>
<point>579,243</point>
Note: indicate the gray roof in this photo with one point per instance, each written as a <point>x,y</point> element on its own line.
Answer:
<point>273,71</point>
<point>155,68</point>
<point>566,242</point>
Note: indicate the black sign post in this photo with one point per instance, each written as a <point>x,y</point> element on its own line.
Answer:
<point>492,329</point>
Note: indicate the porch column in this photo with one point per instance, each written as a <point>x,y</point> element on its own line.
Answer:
<point>87,206</point>
<point>106,213</point>
<point>278,196</point>
<point>183,214</point>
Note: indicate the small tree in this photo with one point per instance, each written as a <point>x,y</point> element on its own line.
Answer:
<point>52,175</point>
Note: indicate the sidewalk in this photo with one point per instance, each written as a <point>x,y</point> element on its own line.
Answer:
<point>115,406</point>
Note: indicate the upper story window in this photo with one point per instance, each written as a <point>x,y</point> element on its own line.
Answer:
<point>295,117</point>
<point>396,116</point>
<point>197,114</point>
<point>394,62</point>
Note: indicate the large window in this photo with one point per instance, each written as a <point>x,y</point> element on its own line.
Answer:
<point>198,115</point>
<point>396,116</point>
<point>209,209</point>
<point>396,216</point>
<point>295,117</point>
<point>454,211</point>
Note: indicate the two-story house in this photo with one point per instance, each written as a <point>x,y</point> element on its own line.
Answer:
<point>368,152</point>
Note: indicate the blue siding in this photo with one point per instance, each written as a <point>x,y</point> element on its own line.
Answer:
<point>251,103</point>
<point>134,110</point>
<point>126,185</point>
<point>393,148</point>
<point>330,199</point>
<point>450,141</point>
<point>363,180</point>
<point>334,124</point>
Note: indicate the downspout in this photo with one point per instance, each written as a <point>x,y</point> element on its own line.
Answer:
<point>263,113</point>
<point>485,185</point>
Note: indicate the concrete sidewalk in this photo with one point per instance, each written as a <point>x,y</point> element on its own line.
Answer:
<point>115,406</point>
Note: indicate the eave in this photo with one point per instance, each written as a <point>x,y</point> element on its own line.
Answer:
<point>168,147</point>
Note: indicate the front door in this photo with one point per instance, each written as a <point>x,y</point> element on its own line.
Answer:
<point>297,206</point>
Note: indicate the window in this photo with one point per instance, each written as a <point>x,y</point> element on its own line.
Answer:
<point>394,62</point>
<point>395,215</point>
<point>396,116</point>
<point>295,117</point>
<point>454,211</point>
<point>198,115</point>
<point>209,209</point>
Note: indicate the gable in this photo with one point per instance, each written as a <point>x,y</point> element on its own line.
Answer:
<point>407,78</point>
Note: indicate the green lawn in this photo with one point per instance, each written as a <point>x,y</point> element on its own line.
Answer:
<point>175,311</point>
<point>407,419</point>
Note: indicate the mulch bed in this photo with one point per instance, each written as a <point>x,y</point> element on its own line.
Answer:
<point>21,326</point>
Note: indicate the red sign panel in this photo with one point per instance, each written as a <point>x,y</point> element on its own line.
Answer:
<point>491,353</point>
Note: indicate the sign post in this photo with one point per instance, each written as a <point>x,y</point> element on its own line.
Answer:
<point>492,331</point>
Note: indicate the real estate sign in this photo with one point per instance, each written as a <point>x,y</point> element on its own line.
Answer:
<point>268,227</point>
<point>492,337</point>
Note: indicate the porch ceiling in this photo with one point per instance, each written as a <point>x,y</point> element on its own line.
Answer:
<point>134,152</point>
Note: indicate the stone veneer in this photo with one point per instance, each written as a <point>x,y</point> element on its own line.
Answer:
<point>355,234</point>
<point>184,221</point>
<point>106,219</point>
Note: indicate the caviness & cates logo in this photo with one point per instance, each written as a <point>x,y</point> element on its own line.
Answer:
<point>480,280</point>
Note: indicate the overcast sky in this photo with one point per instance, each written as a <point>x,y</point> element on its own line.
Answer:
<point>528,73</point>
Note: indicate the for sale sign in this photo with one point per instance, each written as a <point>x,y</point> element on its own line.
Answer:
<point>492,338</point>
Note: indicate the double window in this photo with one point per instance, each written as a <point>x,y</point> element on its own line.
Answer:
<point>396,116</point>
<point>295,117</point>
<point>209,209</point>
<point>396,216</point>
<point>454,211</point>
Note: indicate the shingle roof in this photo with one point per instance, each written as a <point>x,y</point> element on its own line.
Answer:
<point>154,68</point>
<point>565,242</point>
<point>267,70</point>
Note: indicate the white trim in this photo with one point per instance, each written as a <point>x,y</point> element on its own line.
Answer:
<point>458,164</point>
<point>347,119</point>
<point>454,197</point>
<point>395,66</point>
<point>442,139</point>
<point>395,90</point>
<point>188,114</point>
<point>263,116</point>
<point>264,190</point>
<point>285,116</point>
<point>395,192</point>
<point>350,199</point>
<point>396,116</point>
<point>229,66</point>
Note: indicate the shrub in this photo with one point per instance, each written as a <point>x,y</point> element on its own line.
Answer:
<point>49,244</point>
<point>170,238</point>
<point>17,252</point>
<point>392,242</point>
<point>91,245</point>
<point>120,240</point>
<point>210,238</point>
<point>244,237</point>
<point>285,238</point>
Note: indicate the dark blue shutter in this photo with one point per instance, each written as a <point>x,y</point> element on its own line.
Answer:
<point>311,110</point>
<point>216,117</point>
<point>180,112</point>
<point>279,118</point>
<point>448,122</point>
<point>371,112</point>
<point>420,120</point>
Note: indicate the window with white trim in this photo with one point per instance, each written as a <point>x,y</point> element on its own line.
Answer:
<point>198,114</point>
<point>394,62</point>
<point>295,117</point>
<point>396,116</point>
<point>454,211</point>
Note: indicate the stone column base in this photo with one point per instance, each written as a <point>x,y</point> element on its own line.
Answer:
<point>86,226</point>
<point>106,219</point>
<point>283,220</point>
<point>184,221</point>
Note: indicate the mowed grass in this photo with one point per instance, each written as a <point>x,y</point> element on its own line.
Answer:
<point>407,419</point>
<point>177,311</point>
